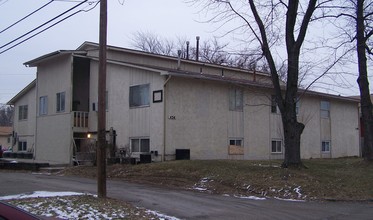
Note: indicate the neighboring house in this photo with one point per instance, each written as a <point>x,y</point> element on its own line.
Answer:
<point>5,137</point>
<point>161,105</point>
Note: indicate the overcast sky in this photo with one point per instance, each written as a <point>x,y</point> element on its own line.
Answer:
<point>168,18</point>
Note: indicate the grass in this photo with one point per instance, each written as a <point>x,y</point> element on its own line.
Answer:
<point>340,179</point>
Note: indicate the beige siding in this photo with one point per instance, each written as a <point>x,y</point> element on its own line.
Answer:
<point>54,133</point>
<point>25,129</point>
<point>130,122</point>
<point>200,111</point>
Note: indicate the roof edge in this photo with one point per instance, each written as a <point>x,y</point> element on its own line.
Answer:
<point>22,92</point>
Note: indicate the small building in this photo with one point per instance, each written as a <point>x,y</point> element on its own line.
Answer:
<point>5,137</point>
<point>169,107</point>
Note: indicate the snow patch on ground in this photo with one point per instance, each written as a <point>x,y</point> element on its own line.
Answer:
<point>40,194</point>
<point>289,200</point>
<point>162,216</point>
<point>202,184</point>
<point>250,197</point>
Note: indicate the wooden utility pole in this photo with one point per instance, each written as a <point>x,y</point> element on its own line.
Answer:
<point>101,115</point>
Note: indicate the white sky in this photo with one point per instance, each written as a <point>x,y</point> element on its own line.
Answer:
<point>167,18</point>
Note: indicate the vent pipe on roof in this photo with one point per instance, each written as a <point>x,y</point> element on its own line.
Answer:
<point>197,48</point>
<point>178,59</point>
<point>187,50</point>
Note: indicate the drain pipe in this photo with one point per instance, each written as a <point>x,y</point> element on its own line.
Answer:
<point>165,116</point>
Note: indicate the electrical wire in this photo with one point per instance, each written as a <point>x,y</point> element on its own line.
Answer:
<point>26,16</point>
<point>43,24</point>
<point>3,51</point>
<point>1,3</point>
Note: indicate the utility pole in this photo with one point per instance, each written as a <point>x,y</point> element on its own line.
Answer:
<point>101,115</point>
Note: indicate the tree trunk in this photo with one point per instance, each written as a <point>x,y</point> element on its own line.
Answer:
<point>292,135</point>
<point>365,101</point>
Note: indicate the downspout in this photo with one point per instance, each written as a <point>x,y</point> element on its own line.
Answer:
<point>165,117</point>
<point>36,116</point>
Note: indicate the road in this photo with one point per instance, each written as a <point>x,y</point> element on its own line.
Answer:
<point>185,204</point>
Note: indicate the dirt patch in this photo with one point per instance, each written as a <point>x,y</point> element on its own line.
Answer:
<point>341,179</point>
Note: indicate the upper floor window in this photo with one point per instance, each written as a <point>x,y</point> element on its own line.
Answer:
<point>22,112</point>
<point>274,107</point>
<point>235,99</point>
<point>60,105</point>
<point>139,95</point>
<point>43,105</point>
<point>325,109</point>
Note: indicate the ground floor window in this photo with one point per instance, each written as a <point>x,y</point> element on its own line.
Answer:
<point>140,145</point>
<point>276,146</point>
<point>236,146</point>
<point>325,146</point>
<point>22,146</point>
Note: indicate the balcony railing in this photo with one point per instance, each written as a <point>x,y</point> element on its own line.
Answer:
<point>80,119</point>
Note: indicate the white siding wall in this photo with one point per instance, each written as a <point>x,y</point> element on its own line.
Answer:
<point>129,122</point>
<point>25,129</point>
<point>53,140</point>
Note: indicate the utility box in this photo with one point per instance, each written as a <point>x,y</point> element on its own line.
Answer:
<point>182,154</point>
<point>145,158</point>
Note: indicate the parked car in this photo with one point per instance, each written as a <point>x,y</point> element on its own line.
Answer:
<point>9,212</point>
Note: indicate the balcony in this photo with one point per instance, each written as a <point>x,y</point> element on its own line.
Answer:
<point>80,120</point>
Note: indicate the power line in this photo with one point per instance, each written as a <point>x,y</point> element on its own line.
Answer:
<point>43,24</point>
<point>26,16</point>
<point>3,51</point>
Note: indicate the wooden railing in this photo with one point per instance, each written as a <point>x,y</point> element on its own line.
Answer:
<point>80,119</point>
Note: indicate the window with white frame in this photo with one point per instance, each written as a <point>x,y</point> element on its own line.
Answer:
<point>276,146</point>
<point>139,95</point>
<point>140,145</point>
<point>324,109</point>
<point>325,146</point>
<point>22,146</point>
<point>22,112</point>
<point>43,105</point>
<point>60,105</point>
<point>235,99</point>
<point>274,107</point>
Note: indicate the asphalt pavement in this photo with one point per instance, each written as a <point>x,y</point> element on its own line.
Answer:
<point>185,204</point>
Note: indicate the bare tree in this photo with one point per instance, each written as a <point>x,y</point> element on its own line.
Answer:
<point>364,30</point>
<point>210,51</point>
<point>273,23</point>
<point>6,115</point>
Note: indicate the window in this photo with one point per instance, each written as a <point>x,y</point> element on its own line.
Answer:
<point>297,105</point>
<point>140,145</point>
<point>274,107</point>
<point>276,146</point>
<point>325,146</point>
<point>22,112</point>
<point>325,109</point>
<point>139,95</point>
<point>22,146</point>
<point>43,105</point>
<point>236,147</point>
<point>60,106</point>
<point>235,100</point>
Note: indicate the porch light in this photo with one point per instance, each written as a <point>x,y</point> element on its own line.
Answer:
<point>88,135</point>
